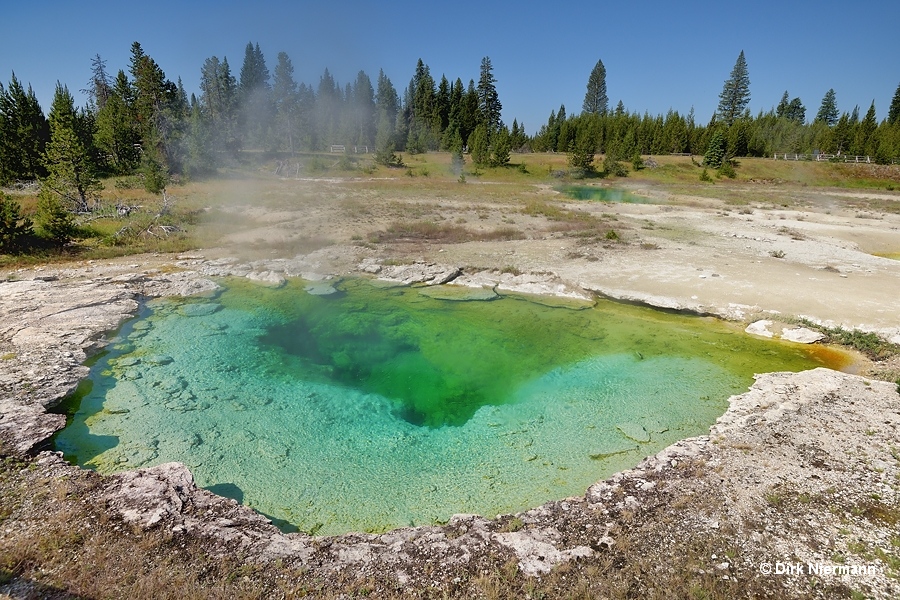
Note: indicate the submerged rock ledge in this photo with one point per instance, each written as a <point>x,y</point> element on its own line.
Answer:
<point>797,468</point>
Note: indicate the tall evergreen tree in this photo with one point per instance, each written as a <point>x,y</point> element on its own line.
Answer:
<point>489,105</point>
<point>255,110</point>
<point>387,107</point>
<point>596,102</point>
<point>842,134</point>
<point>154,99</point>
<point>452,138</point>
<point>828,111</point>
<point>218,100</point>
<point>894,111</point>
<point>469,114</point>
<point>71,173</point>
<point>116,134</point>
<point>100,86</point>
<point>501,145</point>
<point>782,107</point>
<point>441,118</point>
<point>796,112</point>
<point>735,94</point>
<point>328,108</point>
<point>362,111</point>
<point>864,141</point>
<point>581,156</point>
<point>715,153</point>
<point>479,146</point>
<point>200,157</point>
<point>421,110</point>
<point>284,96</point>
<point>24,133</point>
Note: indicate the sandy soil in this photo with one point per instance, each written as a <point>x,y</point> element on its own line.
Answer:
<point>788,250</point>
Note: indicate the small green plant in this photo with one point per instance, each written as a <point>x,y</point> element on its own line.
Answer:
<point>614,168</point>
<point>727,170</point>
<point>514,524</point>
<point>612,236</point>
<point>704,176</point>
<point>637,163</point>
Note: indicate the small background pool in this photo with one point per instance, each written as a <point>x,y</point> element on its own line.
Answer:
<point>604,194</point>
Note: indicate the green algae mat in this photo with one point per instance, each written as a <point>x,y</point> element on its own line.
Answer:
<point>372,407</point>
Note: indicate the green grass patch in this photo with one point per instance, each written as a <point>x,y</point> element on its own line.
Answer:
<point>866,342</point>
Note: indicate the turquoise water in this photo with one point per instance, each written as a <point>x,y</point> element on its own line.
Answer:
<point>604,194</point>
<point>373,408</point>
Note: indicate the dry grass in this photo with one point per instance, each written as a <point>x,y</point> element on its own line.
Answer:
<point>428,231</point>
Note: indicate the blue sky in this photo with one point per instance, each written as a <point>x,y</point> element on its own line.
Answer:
<point>658,55</point>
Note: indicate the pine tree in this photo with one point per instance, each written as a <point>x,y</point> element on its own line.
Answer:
<point>100,86</point>
<point>782,107</point>
<point>360,119</point>
<point>328,108</point>
<point>582,155</point>
<point>894,110</point>
<point>14,228</point>
<point>796,112</point>
<point>500,147</point>
<point>71,173</point>
<point>441,119</point>
<point>828,111</point>
<point>284,96</point>
<point>715,152</point>
<point>116,135</point>
<point>469,114</point>
<point>154,99</point>
<point>452,138</point>
<point>735,94</point>
<point>218,99</point>
<point>387,108</point>
<point>842,134</point>
<point>489,106</point>
<point>864,142</point>
<point>200,159</point>
<point>24,133</point>
<point>255,108</point>
<point>596,102</point>
<point>55,222</point>
<point>422,135</point>
<point>479,146</point>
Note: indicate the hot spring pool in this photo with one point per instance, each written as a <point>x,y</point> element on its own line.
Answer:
<point>605,194</point>
<point>379,407</point>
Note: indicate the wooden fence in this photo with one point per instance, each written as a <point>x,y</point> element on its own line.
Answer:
<point>844,158</point>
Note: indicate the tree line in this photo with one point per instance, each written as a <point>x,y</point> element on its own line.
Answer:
<point>731,132</point>
<point>141,122</point>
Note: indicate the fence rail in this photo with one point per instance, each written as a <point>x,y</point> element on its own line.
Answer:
<point>845,158</point>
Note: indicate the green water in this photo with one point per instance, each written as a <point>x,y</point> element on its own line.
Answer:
<point>375,407</point>
<point>604,194</point>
